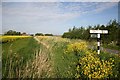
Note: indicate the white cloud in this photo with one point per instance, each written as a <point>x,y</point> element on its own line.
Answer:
<point>53,11</point>
<point>87,7</point>
<point>60,0</point>
<point>89,0</point>
<point>103,6</point>
<point>45,14</point>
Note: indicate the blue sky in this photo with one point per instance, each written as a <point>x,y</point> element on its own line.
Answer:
<point>55,17</point>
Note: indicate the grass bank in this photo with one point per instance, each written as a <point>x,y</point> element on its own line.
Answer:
<point>16,54</point>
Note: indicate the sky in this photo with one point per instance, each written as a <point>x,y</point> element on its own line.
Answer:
<point>55,17</point>
<point>60,0</point>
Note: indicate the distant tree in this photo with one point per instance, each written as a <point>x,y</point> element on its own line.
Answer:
<point>83,33</point>
<point>48,34</point>
<point>113,28</point>
<point>102,27</point>
<point>18,33</point>
<point>11,32</point>
<point>89,27</point>
<point>24,33</point>
<point>39,34</point>
<point>70,30</point>
<point>118,41</point>
<point>31,34</point>
<point>66,35</point>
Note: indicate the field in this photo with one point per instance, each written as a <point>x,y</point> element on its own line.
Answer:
<point>5,39</point>
<point>55,57</point>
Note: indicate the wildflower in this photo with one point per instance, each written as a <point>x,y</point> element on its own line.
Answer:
<point>76,47</point>
<point>93,67</point>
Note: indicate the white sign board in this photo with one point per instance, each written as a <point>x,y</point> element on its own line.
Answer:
<point>99,31</point>
<point>93,35</point>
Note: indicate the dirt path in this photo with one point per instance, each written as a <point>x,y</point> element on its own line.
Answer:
<point>47,46</point>
<point>110,50</point>
<point>113,51</point>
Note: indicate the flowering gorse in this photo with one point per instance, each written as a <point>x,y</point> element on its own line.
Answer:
<point>92,67</point>
<point>76,47</point>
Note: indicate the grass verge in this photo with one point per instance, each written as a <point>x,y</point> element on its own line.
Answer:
<point>15,55</point>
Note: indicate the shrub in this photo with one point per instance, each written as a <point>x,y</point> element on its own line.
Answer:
<point>90,66</point>
<point>76,47</point>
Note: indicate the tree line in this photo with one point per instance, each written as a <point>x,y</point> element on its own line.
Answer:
<point>113,35</point>
<point>41,34</point>
<point>12,32</point>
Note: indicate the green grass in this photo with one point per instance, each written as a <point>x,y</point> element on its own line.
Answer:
<point>16,54</point>
<point>64,64</point>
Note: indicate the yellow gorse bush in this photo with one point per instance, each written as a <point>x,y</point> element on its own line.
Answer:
<point>92,67</point>
<point>76,47</point>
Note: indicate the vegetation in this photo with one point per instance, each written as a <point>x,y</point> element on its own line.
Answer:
<point>75,57</point>
<point>48,56</point>
<point>91,65</point>
<point>11,32</point>
<point>39,34</point>
<point>81,33</point>
<point>4,39</point>
<point>15,55</point>
<point>56,57</point>
<point>48,34</point>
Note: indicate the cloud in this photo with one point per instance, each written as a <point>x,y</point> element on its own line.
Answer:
<point>88,7</point>
<point>53,11</point>
<point>60,0</point>
<point>30,0</point>
<point>43,14</point>
<point>102,6</point>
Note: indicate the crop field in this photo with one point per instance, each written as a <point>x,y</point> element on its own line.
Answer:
<point>5,39</point>
<point>55,57</point>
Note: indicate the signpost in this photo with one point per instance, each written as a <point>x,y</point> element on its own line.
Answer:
<point>98,32</point>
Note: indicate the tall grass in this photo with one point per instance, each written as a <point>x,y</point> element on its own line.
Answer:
<point>15,56</point>
<point>41,65</point>
<point>63,65</point>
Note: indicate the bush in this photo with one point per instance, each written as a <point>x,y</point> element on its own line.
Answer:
<point>48,34</point>
<point>76,47</point>
<point>90,66</point>
<point>39,34</point>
